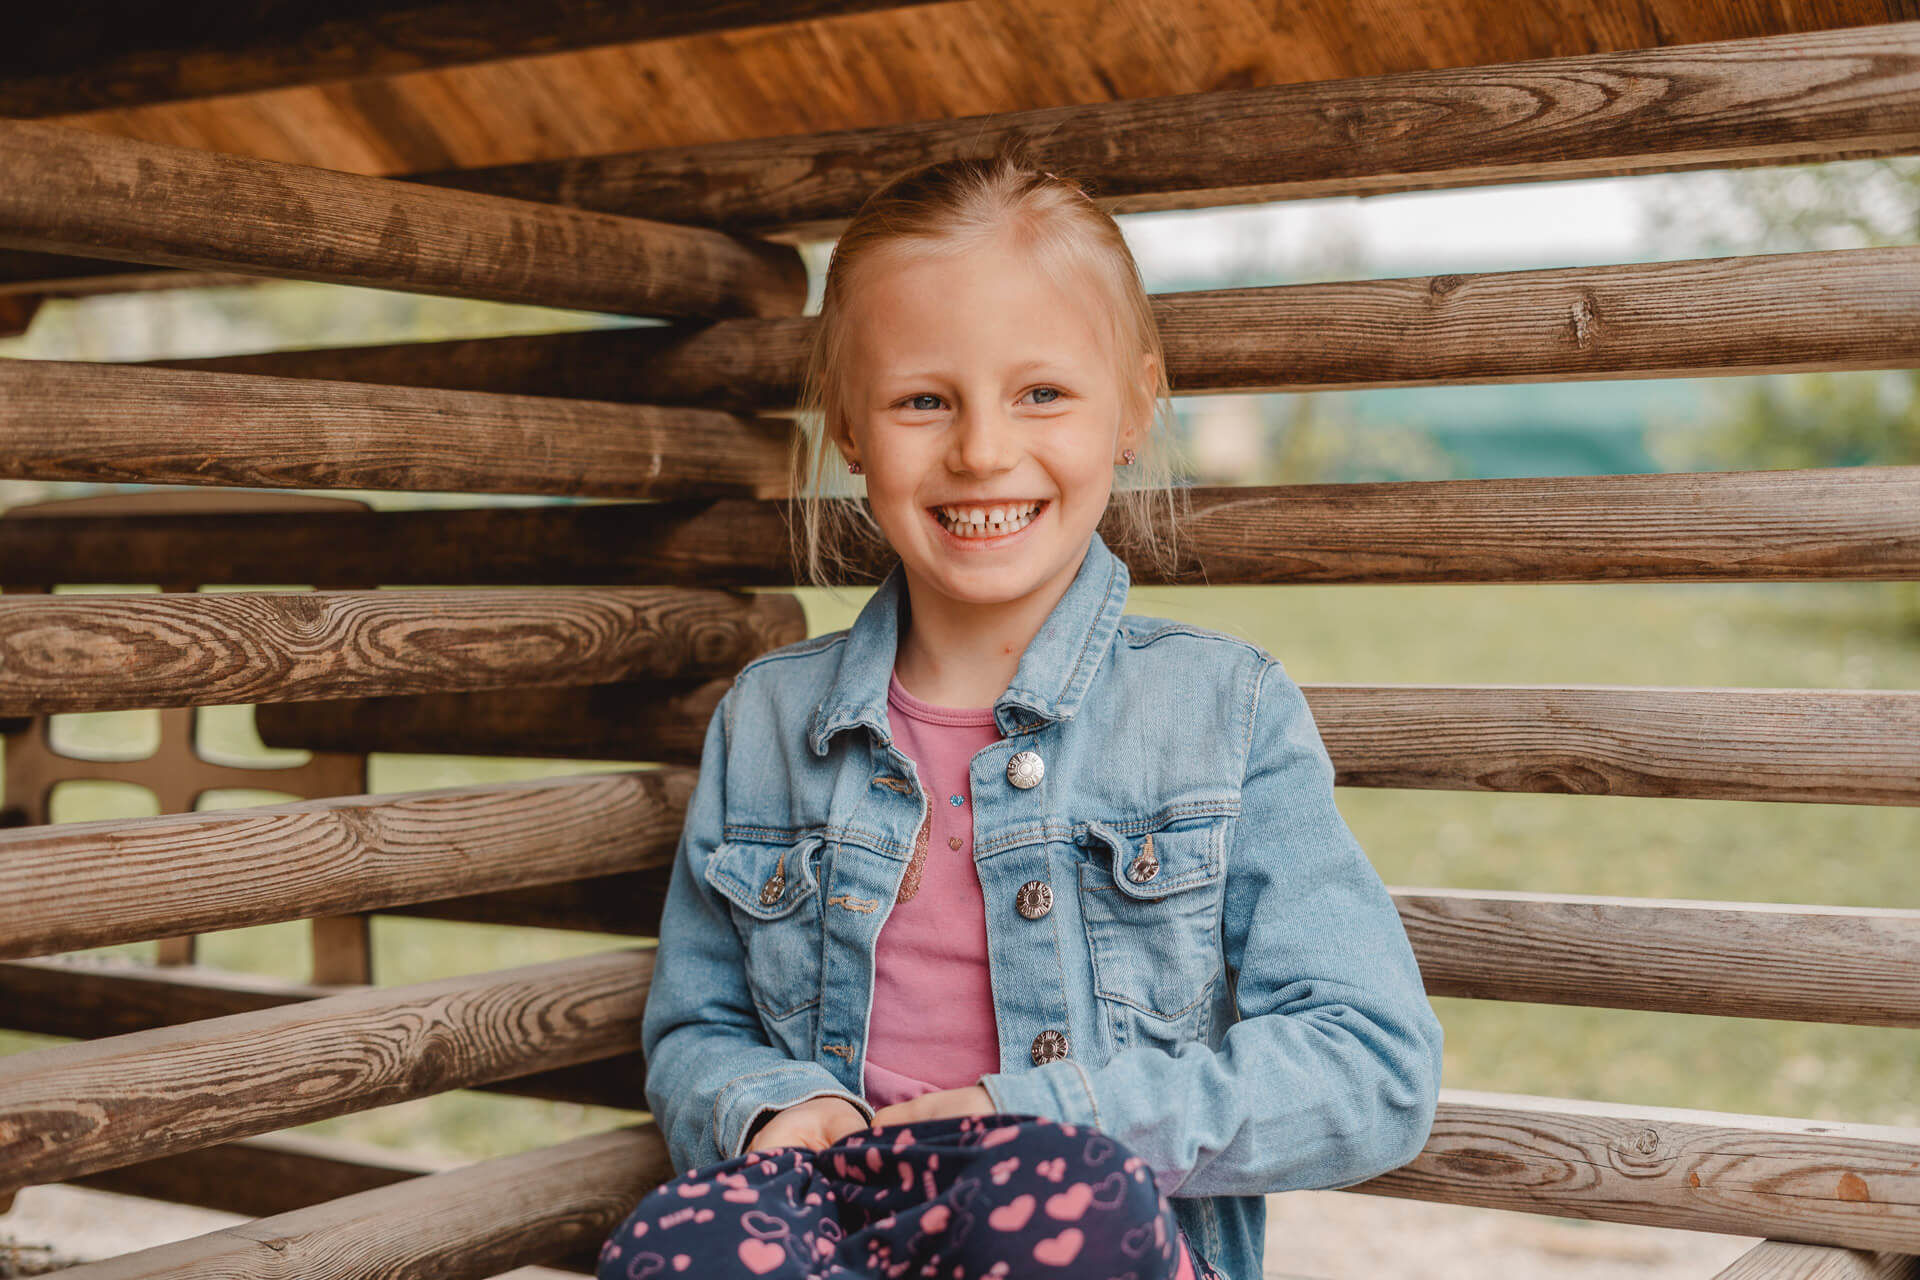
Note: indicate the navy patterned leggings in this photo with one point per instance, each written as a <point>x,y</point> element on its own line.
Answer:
<point>969,1198</point>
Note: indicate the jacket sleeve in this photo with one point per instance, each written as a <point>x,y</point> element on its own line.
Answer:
<point>711,1070</point>
<point>1331,1075</point>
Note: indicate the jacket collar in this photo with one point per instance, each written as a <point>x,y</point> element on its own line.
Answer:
<point>1049,683</point>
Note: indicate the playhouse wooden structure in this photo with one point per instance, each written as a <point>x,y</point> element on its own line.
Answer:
<point>662,161</point>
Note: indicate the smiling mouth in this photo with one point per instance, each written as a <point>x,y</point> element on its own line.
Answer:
<point>988,520</point>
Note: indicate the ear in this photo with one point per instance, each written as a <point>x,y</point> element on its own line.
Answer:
<point>840,435</point>
<point>1134,431</point>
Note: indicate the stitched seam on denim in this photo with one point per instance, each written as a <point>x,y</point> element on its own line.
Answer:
<point>733,1086</point>
<point>1087,1084</point>
<point>1093,628</point>
<point>1140,640</point>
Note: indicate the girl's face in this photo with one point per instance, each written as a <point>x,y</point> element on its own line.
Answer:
<point>983,405</point>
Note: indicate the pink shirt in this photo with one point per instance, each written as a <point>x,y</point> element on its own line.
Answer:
<point>932,1025</point>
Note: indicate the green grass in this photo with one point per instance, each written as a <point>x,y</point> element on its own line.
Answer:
<point>1830,635</point>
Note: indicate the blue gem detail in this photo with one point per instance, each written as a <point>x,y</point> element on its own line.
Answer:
<point>956,801</point>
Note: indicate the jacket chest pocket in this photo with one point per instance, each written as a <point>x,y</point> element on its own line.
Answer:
<point>772,890</point>
<point>1152,904</point>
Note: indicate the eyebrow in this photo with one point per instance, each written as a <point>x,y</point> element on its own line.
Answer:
<point>1043,363</point>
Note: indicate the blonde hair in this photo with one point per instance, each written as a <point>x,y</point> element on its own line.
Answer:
<point>946,207</point>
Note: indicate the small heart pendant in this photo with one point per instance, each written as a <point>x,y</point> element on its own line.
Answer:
<point>953,842</point>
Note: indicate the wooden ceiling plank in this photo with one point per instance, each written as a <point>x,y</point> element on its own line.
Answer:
<point>131,54</point>
<point>1772,100</point>
<point>74,192</point>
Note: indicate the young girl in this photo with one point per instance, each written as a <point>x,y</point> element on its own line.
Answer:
<point>1010,934</point>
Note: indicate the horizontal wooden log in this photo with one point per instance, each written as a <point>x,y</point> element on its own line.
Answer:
<point>280,1173</point>
<point>1764,313</point>
<point>1729,959</point>
<point>1814,1181</point>
<point>1809,746</point>
<point>1814,524</point>
<point>72,191</point>
<point>128,54</point>
<point>83,999</point>
<point>1803,963</point>
<point>85,884</point>
<point>118,424</point>
<point>74,1109</point>
<point>1787,99</point>
<point>1784,1260</point>
<point>76,652</point>
<point>544,1205</point>
<point>638,721</point>
<point>1813,746</point>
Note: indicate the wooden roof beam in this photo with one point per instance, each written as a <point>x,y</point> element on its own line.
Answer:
<point>1827,95</point>
<point>124,53</point>
<point>73,192</point>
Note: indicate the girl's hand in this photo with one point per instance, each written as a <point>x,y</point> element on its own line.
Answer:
<point>938,1105</point>
<point>813,1124</point>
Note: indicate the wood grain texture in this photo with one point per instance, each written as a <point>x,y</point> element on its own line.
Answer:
<point>1783,1260</point>
<point>1818,1182</point>
<point>74,192</point>
<point>108,652</point>
<point>87,998</point>
<point>280,1173</point>
<point>115,424</point>
<point>1774,100</point>
<point>75,1109</point>
<point>1813,746</point>
<point>1817,746</point>
<point>1729,959</point>
<point>128,54</point>
<point>1813,524</point>
<point>1764,313</point>
<point>896,67</point>
<point>468,1223</point>
<point>87,884</point>
<point>637,721</point>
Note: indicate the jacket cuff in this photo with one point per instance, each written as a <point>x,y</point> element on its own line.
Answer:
<point>740,1103</point>
<point>1058,1091</point>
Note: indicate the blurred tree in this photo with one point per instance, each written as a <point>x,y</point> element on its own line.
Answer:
<point>1866,418</point>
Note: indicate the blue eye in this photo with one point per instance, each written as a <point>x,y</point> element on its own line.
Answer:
<point>922,396</point>
<point>1055,390</point>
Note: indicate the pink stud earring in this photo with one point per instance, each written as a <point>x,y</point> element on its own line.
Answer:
<point>853,468</point>
<point>1126,457</point>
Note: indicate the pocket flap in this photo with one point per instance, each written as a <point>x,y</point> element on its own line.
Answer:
<point>1156,863</point>
<point>766,881</point>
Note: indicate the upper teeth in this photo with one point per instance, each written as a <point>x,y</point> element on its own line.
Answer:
<point>988,517</point>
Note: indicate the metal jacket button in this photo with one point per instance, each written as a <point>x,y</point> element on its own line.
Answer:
<point>1146,866</point>
<point>1049,1046</point>
<point>1034,899</point>
<point>776,883</point>
<point>1026,769</point>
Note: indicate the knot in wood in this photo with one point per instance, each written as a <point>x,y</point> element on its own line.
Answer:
<point>1647,1141</point>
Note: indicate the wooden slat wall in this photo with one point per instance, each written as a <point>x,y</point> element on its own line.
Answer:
<point>78,1108</point>
<point>1767,313</point>
<point>465,1224</point>
<point>1821,524</point>
<point>593,852</point>
<point>87,884</point>
<point>110,652</point>
<point>73,192</point>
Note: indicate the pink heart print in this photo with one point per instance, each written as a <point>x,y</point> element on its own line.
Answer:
<point>1004,1170</point>
<point>1071,1205</point>
<point>1052,1170</point>
<point>761,1256</point>
<point>1061,1249</point>
<point>1012,1215</point>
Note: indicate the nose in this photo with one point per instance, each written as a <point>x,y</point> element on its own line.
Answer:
<point>984,440</point>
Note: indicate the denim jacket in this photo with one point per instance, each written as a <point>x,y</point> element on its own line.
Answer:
<point>1222,981</point>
